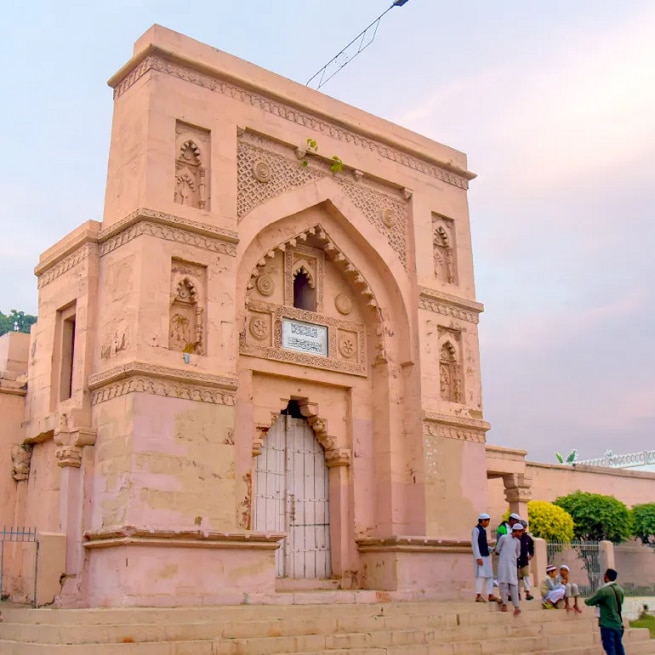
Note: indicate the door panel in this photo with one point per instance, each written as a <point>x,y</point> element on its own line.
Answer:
<point>292,491</point>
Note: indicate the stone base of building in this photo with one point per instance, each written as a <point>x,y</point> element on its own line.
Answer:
<point>141,568</point>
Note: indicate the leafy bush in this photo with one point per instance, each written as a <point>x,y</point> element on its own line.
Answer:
<point>643,522</point>
<point>549,521</point>
<point>597,517</point>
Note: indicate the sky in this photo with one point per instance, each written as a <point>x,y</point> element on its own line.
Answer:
<point>553,102</point>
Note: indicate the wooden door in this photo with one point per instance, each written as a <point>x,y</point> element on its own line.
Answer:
<point>292,496</point>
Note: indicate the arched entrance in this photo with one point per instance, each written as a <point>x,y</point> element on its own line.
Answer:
<point>292,496</point>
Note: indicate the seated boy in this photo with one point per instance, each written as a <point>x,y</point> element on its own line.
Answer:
<point>571,590</point>
<point>552,590</point>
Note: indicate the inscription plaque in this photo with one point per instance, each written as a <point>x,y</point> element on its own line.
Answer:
<point>304,337</point>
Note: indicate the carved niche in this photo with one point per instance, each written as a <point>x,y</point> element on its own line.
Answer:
<point>443,248</point>
<point>192,166</point>
<point>451,381</point>
<point>186,331</point>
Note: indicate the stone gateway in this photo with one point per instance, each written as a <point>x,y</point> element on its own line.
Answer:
<point>260,371</point>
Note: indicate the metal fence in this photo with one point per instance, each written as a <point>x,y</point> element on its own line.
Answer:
<point>583,560</point>
<point>12,536</point>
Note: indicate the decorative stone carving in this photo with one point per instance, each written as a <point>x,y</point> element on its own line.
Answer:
<point>265,285</point>
<point>449,305</point>
<point>191,166</point>
<point>443,242</point>
<point>343,304</point>
<point>388,217</point>
<point>348,345</point>
<point>450,367</point>
<point>262,171</point>
<point>21,460</point>
<point>186,321</point>
<point>518,488</point>
<point>140,377</point>
<point>258,328</point>
<point>440,170</point>
<point>370,197</point>
<point>161,225</point>
<point>355,365</point>
<point>459,428</point>
<point>334,456</point>
<point>70,440</point>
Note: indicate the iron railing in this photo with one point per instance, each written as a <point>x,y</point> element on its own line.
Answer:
<point>583,560</point>
<point>14,535</point>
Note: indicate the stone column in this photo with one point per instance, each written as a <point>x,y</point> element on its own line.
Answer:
<point>539,563</point>
<point>518,493</point>
<point>70,441</point>
<point>605,556</point>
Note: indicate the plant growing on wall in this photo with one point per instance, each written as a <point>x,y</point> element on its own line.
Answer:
<point>643,523</point>
<point>311,147</point>
<point>549,521</point>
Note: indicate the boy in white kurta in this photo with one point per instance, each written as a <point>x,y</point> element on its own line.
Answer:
<point>484,574</point>
<point>508,549</point>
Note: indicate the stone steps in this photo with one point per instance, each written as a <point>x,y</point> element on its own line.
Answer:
<point>395,628</point>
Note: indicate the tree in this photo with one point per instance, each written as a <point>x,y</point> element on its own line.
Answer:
<point>16,321</point>
<point>643,523</point>
<point>549,521</point>
<point>597,517</point>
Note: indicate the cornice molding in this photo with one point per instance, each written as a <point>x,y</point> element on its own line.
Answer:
<point>449,305</point>
<point>140,377</point>
<point>51,270</point>
<point>131,536</point>
<point>412,545</point>
<point>206,77</point>
<point>170,227</point>
<point>454,427</point>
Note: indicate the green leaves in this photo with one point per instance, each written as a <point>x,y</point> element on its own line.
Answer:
<point>597,517</point>
<point>643,522</point>
<point>549,522</point>
<point>16,319</point>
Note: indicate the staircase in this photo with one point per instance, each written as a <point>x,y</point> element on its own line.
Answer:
<point>309,624</point>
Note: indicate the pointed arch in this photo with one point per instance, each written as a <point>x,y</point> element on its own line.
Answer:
<point>376,267</point>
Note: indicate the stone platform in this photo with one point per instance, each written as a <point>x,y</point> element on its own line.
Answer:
<point>290,626</point>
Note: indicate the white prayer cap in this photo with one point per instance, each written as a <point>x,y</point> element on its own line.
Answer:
<point>483,517</point>
<point>566,568</point>
<point>550,568</point>
<point>517,526</point>
<point>516,517</point>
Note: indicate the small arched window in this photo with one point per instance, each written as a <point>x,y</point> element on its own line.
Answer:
<point>304,292</point>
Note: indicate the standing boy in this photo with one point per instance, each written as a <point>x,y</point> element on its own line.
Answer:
<point>508,549</point>
<point>482,560</point>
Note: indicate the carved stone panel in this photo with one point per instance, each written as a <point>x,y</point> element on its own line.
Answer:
<point>186,332</point>
<point>267,169</point>
<point>451,379</point>
<point>192,160</point>
<point>444,249</point>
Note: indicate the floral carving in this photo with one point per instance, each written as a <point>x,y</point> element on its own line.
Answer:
<point>347,346</point>
<point>265,285</point>
<point>262,171</point>
<point>258,328</point>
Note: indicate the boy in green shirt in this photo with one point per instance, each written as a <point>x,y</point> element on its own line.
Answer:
<point>609,599</point>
